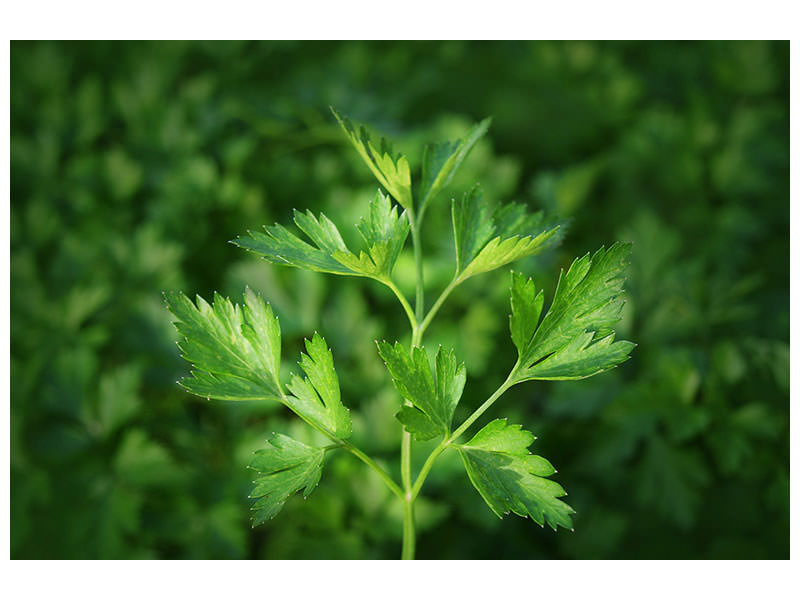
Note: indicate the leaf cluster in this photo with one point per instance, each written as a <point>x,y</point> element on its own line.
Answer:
<point>236,355</point>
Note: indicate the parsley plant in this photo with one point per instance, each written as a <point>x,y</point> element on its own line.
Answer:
<point>235,349</point>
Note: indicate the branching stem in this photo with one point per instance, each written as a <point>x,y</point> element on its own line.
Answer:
<point>426,468</point>
<point>387,479</point>
<point>412,318</point>
<point>438,304</point>
<point>352,449</point>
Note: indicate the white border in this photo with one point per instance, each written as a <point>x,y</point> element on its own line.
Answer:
<point>398,19</point>
<point>501,19</point>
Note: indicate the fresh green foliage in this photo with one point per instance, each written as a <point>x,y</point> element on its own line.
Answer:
<point>280,246</point>
<point>384,232</point>
<point>316,397</point>
<point>575,338</point>
<point>432,397</point>
<point>484,242</point>
<point>223,341</point>
<point>440,161</point>
<point>390,169</point>
<point>236,353</point>
<point>235,350</point>
<point>132,163</point>
<point>284,467</point>
<point>510,478</point>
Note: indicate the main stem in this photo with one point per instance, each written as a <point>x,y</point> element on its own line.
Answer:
<point>409,534</point>
<point>419,306</point>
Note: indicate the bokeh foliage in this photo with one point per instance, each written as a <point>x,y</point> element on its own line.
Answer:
<point>132,165</point>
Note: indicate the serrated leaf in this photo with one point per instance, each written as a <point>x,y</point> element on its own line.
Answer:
<point>316,398</point>
<point>583,357</point>
<point>472,227</point>
<point>391,169</point>
<point>280,246</point>
<point>510,479</point>
<point>440,161</point>
<point>383,230</point>
<point>526,308</point>
<point>235,351</point>
<point>485,242</point>
<point>284,467</point>
<point>575,339</point>
<point>433,396</point>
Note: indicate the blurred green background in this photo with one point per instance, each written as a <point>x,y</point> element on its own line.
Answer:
<point>133,164</point>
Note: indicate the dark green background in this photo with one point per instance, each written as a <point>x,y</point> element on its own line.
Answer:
<point>132,164</point>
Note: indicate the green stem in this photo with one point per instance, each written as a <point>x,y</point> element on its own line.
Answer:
<point>485,406</point>
<point>437,305</point>
<point>420,301</point>
<point>412,319</point>
<point>426,468</point>
<point>387,479</point>
<point>405,462</point>
<point>409,535</point>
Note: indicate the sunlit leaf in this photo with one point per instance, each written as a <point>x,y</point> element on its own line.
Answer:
<point>316,397</point>
<point>487,241</point>
<point>235,350</point>
<point>511,479</point>
<point>391,169</point>
<point>575,338</point>
<point>383,231</point>
<point>284,467</point>
<point>433,395</point>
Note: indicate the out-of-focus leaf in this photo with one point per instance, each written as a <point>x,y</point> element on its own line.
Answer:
<point>671,481</point>
<point>141,461</point>
<point>117,399</point>
<point>440,161</point>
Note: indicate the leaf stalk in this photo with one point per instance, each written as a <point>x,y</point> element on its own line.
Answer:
<point>448,440</point>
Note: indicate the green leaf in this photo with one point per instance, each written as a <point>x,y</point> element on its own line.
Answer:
<point>441,160</point>
<point>485,242</point>
<point>510,478</point>
<point>278,245</point>
<point>672,481</point>
<point>141,462</point>
<point>575,339</point>
<point>235,350</point>
<point>391,170</point>
<point>433,400</point>
<point>316,398</point>
<point>526,308</point>
<point>284,467</point>
<point>383,230</point>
